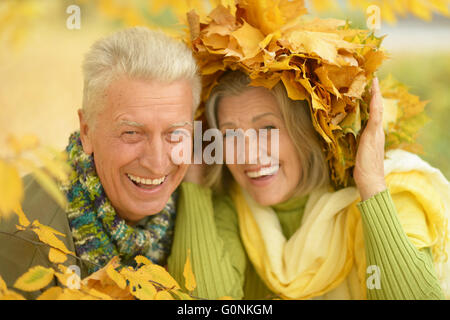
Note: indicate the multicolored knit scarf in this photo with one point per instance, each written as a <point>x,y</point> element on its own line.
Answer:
<point>99,233</point>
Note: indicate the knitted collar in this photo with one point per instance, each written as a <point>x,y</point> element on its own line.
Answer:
<point>99,233</point>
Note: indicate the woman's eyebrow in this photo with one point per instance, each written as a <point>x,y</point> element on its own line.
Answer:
<point>256,118</point>
<point>230,124</point>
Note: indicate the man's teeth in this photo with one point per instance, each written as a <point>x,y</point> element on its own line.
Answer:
<point>263,172</point>
<point>150,182</point>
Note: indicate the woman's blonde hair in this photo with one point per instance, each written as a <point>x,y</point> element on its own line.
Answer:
<point>298,122</point>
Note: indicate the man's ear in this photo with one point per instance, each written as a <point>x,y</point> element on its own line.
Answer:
<point>84,133</point>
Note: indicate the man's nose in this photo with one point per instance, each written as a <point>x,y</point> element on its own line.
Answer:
<point>155,155</point>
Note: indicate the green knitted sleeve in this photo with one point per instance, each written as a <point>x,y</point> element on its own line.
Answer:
<point>396,268</point>
<point>211,234</point>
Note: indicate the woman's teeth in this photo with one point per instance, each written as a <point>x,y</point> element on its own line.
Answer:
<point>149,182</point>
<point>269,171</point>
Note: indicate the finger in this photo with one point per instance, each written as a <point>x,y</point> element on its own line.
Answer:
<point>376,104</point>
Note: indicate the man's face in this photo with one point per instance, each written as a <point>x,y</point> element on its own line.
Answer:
<point>131,139</point>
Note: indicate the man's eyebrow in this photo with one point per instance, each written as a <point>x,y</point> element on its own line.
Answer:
<point>130,123</point>
<point>181,124</point>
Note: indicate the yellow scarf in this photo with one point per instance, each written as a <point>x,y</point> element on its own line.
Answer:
<point>325,257</point>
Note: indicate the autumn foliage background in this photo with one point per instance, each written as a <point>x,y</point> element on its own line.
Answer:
<point>40,60</point>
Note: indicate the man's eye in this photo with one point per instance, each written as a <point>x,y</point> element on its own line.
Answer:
<point>131,136</point>
<point>179,135</point>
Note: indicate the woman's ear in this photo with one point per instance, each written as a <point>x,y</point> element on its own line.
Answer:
<point>85,133</point>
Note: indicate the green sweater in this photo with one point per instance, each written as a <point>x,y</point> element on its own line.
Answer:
<point>208,225</point>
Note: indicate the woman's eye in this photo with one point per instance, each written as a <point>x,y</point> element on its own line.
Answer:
<point>269,127</point>
<point>130,132</point>
<point>229,133</point>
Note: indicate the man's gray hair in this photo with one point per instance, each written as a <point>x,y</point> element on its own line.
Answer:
<point>138,53</point>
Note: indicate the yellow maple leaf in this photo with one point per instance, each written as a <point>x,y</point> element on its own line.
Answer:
<point>97,294</point>
<point>11,295</point>
<point>34,279</point>
<point>11,189</point>
<point>3,286</point>
<point>24,143</point>
<point>23,220</point>
<point>116,276</point>
<point>101,281</point>
<point>139,284</point>
<point>160,275</point>
<point>163,295</point>
<point>51,294</point>
<point>248,38</point>
<point>71,294</point>
<point>47,235</point>
<point>180,295</point>
<point>56,166</point>
<point>189,277</point>
<point>142,260</point>
<point>46,181</point>
<point>68,279</point>
<point>56,256</point>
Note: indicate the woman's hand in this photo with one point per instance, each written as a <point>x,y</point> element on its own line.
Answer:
<point>369,166</point>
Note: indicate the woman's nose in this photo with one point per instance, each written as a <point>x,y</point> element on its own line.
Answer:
<point>251,148</point>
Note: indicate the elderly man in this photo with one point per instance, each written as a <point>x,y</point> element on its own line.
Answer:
<point>141,89</point>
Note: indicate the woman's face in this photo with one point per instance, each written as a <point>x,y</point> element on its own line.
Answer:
<point>257,108</point>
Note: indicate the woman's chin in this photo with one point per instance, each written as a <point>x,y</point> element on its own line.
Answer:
<point>269,198</point>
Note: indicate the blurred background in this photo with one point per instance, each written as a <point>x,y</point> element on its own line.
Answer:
<point>40,57</point>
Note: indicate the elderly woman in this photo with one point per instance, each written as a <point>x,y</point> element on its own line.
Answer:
<point>141,89</point>
<point>278,230</point>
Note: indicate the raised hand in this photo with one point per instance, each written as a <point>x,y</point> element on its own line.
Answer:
<point>369,166</point>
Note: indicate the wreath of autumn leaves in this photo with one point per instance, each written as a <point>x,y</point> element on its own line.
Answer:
<point>323,61</point>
